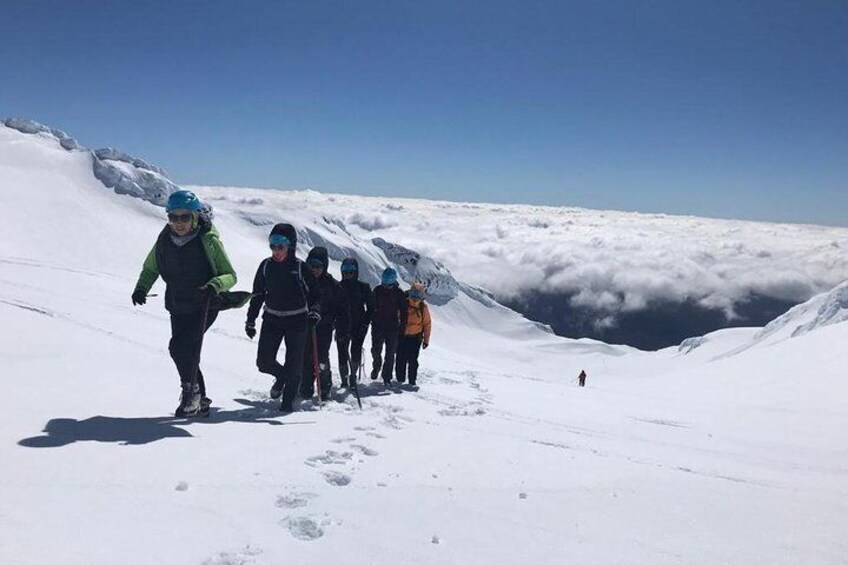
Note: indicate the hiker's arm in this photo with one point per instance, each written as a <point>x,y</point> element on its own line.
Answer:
<point>258,294</point>
<point>225,278</point>
<point>149,272</point>
<point>427,323</point>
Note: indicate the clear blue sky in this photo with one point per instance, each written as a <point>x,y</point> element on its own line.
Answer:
<point>717,108</point>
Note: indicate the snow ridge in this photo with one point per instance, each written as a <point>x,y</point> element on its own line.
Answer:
<point>117,170</point>
<point>823,310</point>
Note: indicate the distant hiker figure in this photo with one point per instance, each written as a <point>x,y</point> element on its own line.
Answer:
<point>416,334</point>
<point>360,302</point>
<point>334,315</point>
<point>581,378</point>
<point>190,258</point>
<point>291,296</point>
<point>388,321</point>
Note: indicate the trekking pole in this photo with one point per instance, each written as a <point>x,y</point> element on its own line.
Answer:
<point>315,365</point>
<point>356,380</point>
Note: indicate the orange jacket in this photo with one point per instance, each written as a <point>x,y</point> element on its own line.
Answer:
<point>418,320</point>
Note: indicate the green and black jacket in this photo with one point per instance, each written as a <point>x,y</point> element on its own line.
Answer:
<point>200,262</point>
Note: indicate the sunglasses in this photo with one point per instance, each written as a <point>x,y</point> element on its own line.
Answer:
<point>174,218</point>
<point>313,265</point>
<point>278,239</point>
<point>416,294</point>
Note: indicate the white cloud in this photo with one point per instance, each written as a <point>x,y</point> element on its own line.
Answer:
<point>610,261</point>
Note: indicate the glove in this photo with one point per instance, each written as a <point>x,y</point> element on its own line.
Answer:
<point>208,290</point>
<point>139,297</point>
<point>314,317</point>
<point>425,345</point>
<point>250,329</point>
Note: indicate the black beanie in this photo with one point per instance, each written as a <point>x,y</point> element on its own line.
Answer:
<point>319,253</point>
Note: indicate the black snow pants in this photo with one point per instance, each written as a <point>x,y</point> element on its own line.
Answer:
<point>407,357</point>
<point>350,354</point>
<point>274,330</point>
<point>307,384</point>
<point>185,344</point>
<point>390,339</point>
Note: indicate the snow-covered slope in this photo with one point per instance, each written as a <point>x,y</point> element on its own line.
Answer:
<point>500,458</point>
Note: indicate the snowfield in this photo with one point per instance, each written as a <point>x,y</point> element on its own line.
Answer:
<point>728,449</point>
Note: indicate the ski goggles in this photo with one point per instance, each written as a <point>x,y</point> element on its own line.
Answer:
<point>348,268</point>
<point>174,218</point>
<point>315,263</point>
<point>278,241</point>
<point>416,294</point>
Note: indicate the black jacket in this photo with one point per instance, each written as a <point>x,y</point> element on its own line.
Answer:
<point>360,302</point>
<point>334,306</point>
<point>389,308</point>
<point>284,287</point>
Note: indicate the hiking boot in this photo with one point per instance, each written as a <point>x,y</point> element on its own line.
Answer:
<point>190,400</point>
<point>286,407</point>
<point>344,382</point>
<point>277,389</point>
<point>374,374</point>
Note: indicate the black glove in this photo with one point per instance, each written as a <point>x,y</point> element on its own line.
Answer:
<point>139,297</point>
<point>425,345</point>
<point>208,291</point>
<point>250,329</point>
<point>314,317</point>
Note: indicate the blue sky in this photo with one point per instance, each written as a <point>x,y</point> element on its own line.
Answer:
<point>721,108</point>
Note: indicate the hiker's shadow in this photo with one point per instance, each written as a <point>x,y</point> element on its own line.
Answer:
<point>139,431</point>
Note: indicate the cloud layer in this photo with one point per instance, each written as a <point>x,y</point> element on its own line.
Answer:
<point>614,262</point>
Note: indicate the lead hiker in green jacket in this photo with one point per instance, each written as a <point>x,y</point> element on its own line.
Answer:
<point>190,258</point>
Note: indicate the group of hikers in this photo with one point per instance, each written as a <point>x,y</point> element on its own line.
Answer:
<point>302,305</point>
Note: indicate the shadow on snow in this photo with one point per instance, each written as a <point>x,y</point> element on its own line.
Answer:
<point>139,431</point>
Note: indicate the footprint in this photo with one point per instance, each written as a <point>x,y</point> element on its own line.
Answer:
<point>376,435</point>
<point>254,394</point>
<point>467,410</point>
<point>294,500</point>
<point>364,429</point>
<point>242,557</point>
<point>365,450</point>
<point>337,479</point>
<point>330,457</point>
<point>392,422</point>
<point>303,528</point>
<point>343,439</point>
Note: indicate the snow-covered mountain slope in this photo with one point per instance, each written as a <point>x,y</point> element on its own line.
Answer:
<point>823,310</point>
<point>500,458</point>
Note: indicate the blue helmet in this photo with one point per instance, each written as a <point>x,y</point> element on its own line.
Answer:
<point>183,200</point>
<point>389,277</point>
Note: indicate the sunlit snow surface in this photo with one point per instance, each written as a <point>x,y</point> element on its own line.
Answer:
<point>729,449</point>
